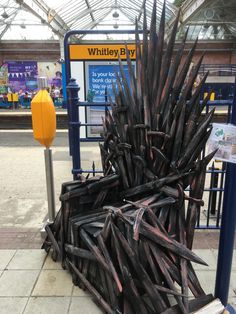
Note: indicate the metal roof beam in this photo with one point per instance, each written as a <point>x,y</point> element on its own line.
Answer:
<point>4,31</point>
<point>46,15</point>
<point>89,7</point>
<point>8,24</point>
<point>191,7</point>
<point>80,15</point>
<point>92,10</point>
<point>67,9</point>
<point>141,10</point>
<point>131,19</point>
<point>210,22</point>
<point>95,23</point>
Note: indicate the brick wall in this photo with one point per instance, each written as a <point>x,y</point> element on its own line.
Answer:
<point>35,51</point>
<point>216,53</point>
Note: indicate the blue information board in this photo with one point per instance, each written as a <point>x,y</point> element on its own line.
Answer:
<point>101,77</point>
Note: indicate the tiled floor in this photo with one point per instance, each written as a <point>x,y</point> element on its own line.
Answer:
<point>31,283</point>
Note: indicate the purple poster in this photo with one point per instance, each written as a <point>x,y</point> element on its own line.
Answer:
<point>22,75</point>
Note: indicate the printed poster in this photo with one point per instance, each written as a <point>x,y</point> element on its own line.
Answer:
<point>52,71</point>
<point>22,75</point>
<point>223,138</point>
<point>3,78</point>
<point>100,78</point>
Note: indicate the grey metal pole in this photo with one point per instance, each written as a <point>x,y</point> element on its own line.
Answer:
<point>50,184</point>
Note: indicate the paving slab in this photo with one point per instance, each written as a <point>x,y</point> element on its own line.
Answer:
<point>207,256</point>
<point>46,305</point>
<point>207,280</point>
<point>53,283</point>
<point>50,264</point>
<point>78,292</point>
<point>215,252</point>
<point>17,283</point>
<point>5,257</point>
<point>12,305</point>
<point>27,259</point>
<point>82,305</point>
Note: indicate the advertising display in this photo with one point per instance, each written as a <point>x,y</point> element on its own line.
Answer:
<point>3,78</point>
<point>22,75</point>
<point>223,138</point>
<point>52,71</point>
<point>100,76</point>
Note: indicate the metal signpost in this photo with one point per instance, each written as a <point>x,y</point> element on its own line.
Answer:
<point>50,184</point>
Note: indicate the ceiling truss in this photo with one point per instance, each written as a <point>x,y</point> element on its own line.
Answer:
<point>90,14</point>
<point>47,15</point>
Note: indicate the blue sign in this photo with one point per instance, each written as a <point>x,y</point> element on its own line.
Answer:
<point>101,77</point>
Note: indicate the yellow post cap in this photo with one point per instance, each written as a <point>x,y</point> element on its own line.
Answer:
<point>43,115</point>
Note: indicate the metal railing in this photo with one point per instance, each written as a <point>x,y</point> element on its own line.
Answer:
<point>210,215</point>
<point>218,69</point>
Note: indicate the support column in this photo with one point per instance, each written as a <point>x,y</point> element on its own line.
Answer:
<point>228,224</point>
<point>74,125</point>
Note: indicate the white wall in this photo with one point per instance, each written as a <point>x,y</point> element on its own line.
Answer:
<point>77,72</point>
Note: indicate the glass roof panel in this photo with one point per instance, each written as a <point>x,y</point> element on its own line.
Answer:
<point>34,19</point>
<point>33,32</point>
<point>73,14</point>
<point>214,20</point>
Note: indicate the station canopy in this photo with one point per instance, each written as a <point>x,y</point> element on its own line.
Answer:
<point>51,19</point>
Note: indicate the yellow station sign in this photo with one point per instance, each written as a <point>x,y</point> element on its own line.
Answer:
<point>101,52</point>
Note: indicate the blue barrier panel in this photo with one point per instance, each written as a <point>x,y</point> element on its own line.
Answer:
<point>64,83</point>
<point>227,233</point>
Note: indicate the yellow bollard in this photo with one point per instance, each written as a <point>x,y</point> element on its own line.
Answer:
<point>44,129</point>
<point>43,115</point>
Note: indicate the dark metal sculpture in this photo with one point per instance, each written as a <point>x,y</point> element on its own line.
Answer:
<point>127,237</point>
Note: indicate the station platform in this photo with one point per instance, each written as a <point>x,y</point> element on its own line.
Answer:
<point>30,282</point>
<point>21,118</point>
